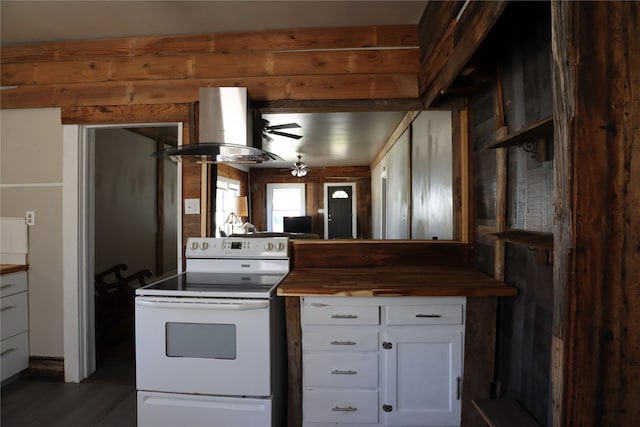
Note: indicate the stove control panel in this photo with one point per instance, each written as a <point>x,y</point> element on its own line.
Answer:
<point>237,247</point>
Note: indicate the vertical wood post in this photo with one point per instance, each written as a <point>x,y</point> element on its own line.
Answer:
<point>596,85</point>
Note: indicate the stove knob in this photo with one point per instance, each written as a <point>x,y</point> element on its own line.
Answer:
<point>280,246</point>
<point>269,246</point>
<point>205,246</point>
<point>194,245</point>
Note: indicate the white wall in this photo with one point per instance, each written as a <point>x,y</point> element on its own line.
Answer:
<point>396,165</point>
<point>419,170</point>
<point>31,179</point>
<point>125,200</point>
<point>432,176</point>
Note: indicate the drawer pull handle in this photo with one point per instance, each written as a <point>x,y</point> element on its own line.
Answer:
<point>7,351</point>
<point>347,409</point>
<point>433,316</point>
<point>7,285</point>
<point>349,372</point>
<point>344,316</point>
<point>7,307</point>
<point>342,342</point>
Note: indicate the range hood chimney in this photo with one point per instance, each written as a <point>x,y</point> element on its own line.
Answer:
<point>226,132</point>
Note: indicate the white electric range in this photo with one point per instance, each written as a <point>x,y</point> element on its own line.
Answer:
<point>210,343</point>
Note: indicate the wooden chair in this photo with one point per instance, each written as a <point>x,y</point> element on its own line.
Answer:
<point>114,301</point>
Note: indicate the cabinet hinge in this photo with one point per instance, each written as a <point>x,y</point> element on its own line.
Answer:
<point>387,345</point>
<point>459,388</point>
<point>387,408</point>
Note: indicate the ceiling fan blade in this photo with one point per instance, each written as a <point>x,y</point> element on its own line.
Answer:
<point>288,135</point>
<point>284,126</point>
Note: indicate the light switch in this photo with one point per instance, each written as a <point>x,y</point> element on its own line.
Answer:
<point>191,206</point>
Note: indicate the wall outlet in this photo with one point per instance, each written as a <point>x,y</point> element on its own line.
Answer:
<point>192,206</point>
<point>30,217</point>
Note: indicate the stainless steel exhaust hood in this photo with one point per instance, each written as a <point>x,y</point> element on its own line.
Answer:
<point>226,133</point>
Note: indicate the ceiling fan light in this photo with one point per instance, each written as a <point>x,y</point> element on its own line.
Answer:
<point>294,172</point>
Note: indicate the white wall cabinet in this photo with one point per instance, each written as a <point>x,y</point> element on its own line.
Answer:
<point>382,361</point>
<point>14,321</point>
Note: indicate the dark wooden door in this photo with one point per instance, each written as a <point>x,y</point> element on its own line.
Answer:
<point>340,215</point>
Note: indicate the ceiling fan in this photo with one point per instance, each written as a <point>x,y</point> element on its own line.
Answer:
<point>299,169</point>
<point>276,130</point>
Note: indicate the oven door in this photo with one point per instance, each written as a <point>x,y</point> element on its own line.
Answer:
<point>203,346</point>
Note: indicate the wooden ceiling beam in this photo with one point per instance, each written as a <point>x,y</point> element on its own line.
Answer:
<point>266,41</point>
<point>455,46</point>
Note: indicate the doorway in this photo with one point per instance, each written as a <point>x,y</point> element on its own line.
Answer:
<point>134,229</point>
<point>80,187</point>
<point>341,212</point>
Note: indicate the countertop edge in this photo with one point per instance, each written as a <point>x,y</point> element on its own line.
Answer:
<point>13,268</point>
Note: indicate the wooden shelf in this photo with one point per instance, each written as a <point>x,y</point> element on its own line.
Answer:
<point>529,134</point>
<point>533,239</point>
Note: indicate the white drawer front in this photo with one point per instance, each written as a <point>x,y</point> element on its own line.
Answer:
<point>428,314</point>
<point>339,339</point>
<point>14,315</point>
<point>340,370</point>
<point>15,355</point>
<point>337,406</point>
<point>13,283</point>
<point>327,314</point>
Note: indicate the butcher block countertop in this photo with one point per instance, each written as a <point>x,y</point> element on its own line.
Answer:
<point>386,268</point>
<point>394,281</point>
<point>13,268</point>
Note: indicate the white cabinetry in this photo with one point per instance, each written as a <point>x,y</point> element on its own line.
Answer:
<point>370,361</point>
<point>14,321</point>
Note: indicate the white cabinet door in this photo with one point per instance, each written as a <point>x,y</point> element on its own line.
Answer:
<point>422,368</point>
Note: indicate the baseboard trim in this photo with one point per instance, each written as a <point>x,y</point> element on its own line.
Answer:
<point>49,368</point>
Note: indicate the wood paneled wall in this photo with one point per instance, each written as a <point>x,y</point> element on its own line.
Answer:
<point>154,79</point>
<point>512,190</point>
<point>314,185</point>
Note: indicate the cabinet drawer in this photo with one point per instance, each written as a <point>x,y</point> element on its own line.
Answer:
<point>339,339</point>
<point>328,314</point>
<point>427,314</point>
<point>340,406</point>
<point>13,283</point>
<point>14,315</point>
<point>340,370</point>
<point>15,355</point>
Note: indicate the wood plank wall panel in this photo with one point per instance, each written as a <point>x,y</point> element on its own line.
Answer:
<point>524,353</point>
<point>598,232</point>
<point>211,66</point>
<point>469,31</point>
<point>524,344</point>
<point>349,253</point>
<point>314,181</point>
<point>171,69</point>
<point>278,40</point>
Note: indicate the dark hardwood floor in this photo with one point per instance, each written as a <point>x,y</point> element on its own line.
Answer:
<point>106,399</point>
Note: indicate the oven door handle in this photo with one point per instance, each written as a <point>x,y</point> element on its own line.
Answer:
<point>204,305</point>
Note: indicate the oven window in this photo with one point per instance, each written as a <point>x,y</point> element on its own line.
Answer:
<point>201,340</point>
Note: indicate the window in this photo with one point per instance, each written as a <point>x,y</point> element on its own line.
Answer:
<point>226,192</point>
<point>284,200</point>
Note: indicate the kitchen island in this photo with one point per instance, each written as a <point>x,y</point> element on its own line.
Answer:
<point>381,271</point>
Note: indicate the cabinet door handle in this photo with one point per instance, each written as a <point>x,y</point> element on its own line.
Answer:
<point>344,316</point>
<point>349,372</point>
<point>342,409</point>
<point>433,316</point>
<point>335,342</point>
<point>7,285</point>
<point>7,307</point>
<point>7,351</point>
